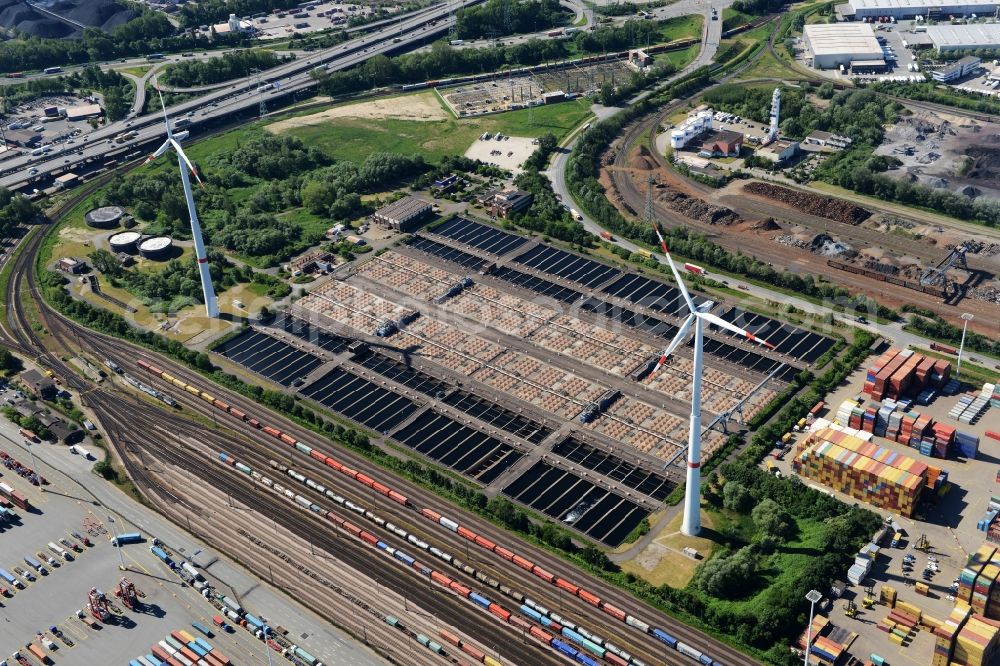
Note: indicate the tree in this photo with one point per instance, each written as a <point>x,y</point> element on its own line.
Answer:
<point>736,497</point>
<point>105,262</point>
<point>772,520</point>
<point>723,577</point>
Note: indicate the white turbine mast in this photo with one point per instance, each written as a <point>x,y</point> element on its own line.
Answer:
<point>208,291</point>
<point>698,315</point>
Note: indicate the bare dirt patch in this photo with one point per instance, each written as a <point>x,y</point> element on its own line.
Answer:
<point>423,106</point>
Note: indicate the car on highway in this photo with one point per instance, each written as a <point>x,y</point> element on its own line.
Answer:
<point>32,171</point>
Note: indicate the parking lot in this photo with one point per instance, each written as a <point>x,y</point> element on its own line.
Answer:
<point>29,127</point>
<point>50,602</point>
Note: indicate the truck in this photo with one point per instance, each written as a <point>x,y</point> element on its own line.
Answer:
<point>80,451</point>
<point>60,551</point>
<point>125,539</point>
<point>35,564</point>
<point>606,235</point>
<point>154,56</point>
<point>24,432</point>
<point>15,497</point>
<point>554,33</point>
<point>192,570</point>
<point>697,270</point>
<point>51,70</point>
<point>936,346</point>
<point>9,578</point>
<point>575,214</point>
<point>457,42</point>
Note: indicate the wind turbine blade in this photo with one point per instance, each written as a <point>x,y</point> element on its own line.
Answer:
<point>673,269</point>
<point>159,151</point>
<point>184,157</point>
<point>722,323</point>
<point>164,108</point>
<point>678,340</point>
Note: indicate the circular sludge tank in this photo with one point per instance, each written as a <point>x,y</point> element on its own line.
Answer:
<point>125,241</point>
<point>106,217</point>
<point>157,247</point>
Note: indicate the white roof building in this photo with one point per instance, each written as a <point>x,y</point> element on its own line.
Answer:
<point>909,8</point>
<point>835,44</point>
<point>960,37</point>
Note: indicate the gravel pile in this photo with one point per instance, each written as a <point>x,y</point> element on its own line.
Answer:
<point>698,209</point>
<point>102,14</point>
<point>813,204</point>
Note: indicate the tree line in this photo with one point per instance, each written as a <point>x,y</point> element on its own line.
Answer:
<point>441,61</point>
<point>150,32</point>
<point>232,65</point>
<point>498,18</point>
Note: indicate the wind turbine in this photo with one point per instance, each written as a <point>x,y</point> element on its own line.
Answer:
<point>698,315</point>
<point>208,291</point>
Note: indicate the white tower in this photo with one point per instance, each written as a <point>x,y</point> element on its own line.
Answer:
<point>698,315</point>
<point>208,291</point>
<point>772,133</point>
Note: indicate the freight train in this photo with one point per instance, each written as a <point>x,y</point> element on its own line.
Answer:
<point>444,521</point>
<point>940,292</point>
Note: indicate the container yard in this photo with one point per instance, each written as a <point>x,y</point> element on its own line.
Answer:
<point>903,437</point>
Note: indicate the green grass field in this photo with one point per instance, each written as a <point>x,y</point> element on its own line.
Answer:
<point>681,27</point>
<point>355,138</point>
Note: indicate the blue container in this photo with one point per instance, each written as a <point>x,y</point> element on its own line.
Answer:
<point>665,637</point>
<point>479,599</point>
<point>197,649</point>
<point>532,613</point>
<point>205,645</point>
<point>563,648</point>
<point>254,621</point>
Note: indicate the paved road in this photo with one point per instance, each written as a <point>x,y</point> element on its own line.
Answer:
<point>710,44</point>
<point>293,78</point>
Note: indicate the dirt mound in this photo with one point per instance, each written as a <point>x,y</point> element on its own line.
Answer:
<point>698,209</point>
<point>642,160</point>
<point>985,164</point>
<point>769,224</point>
<point>814,204</point>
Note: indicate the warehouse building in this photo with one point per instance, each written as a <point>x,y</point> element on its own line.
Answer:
<point>859,10</point>
<point>956,71</point>
<point>946,38</point>
<point>402,215</point>
<point>834,45</point>
<point>873,474</point>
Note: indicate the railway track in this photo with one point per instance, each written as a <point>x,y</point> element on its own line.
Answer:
<point>124,418</point>
<point>440,537</point>
<point>128,438</point>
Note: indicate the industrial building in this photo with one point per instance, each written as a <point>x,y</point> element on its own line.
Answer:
<point>860,10</point>
<point>843,45</point>
<point>402,215</point>
<point>779,152</point>
<point>963,37</point>
<point>504,202</point>
<point>724,143</point>
<point>693,126</point>
<point>39,384</point>
<point>956,71</point>
<point>72,266</point>
<point>83,112</point>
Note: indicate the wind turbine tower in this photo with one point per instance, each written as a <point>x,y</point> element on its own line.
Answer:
<point>698,315</point>
<point>208,291</point>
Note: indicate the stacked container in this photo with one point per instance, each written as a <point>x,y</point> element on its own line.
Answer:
<point>863,470</point>
<point>946,634</point>
<point>898,373</point>
<point>967,444</point>
<point>976,643</point>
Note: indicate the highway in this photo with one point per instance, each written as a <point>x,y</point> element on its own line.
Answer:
<point>288,79</point>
